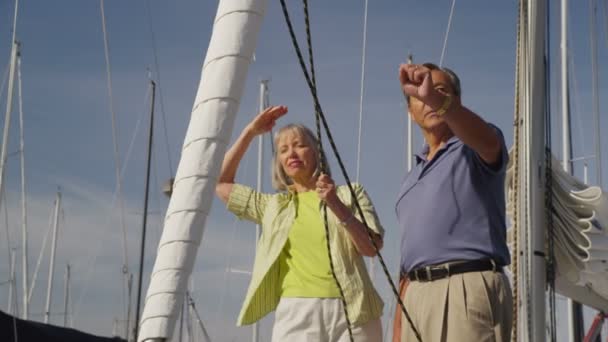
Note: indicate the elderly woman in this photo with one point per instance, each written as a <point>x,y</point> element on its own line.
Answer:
<point>292,273</point>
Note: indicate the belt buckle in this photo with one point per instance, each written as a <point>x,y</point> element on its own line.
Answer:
<point>429,275</point>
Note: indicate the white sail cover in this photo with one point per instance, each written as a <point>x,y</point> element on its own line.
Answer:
<point>224,71</point>
<point>580,225</point>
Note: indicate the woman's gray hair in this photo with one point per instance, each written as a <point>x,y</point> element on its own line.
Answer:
<point>280,180</point>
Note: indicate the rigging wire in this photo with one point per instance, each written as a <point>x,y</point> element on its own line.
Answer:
<point>125,266</point>
<point>447,32</point>
<point>158,83</point>
<point>318,108</point>
<point>39,261</point>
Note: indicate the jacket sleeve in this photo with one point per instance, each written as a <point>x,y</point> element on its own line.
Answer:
<point>367,207</point>
<point>246,203</point>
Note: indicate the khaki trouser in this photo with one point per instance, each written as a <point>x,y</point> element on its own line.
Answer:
<point>474,306</point>
<point>319,320</point>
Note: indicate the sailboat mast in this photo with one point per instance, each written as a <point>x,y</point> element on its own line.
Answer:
<point>47,310</point>
<point>363,53</point>
<point>12,283</point>
<point>575,327</point>
<point>566,145</point>
<point>9,98</point>
<point>535,192</point>
<point>24,249</point>
<point>594,88</point>
<point>410,133</point>
<point>264,101</point>
<point>145,215</point>
<point>66,295</point>
<point>233,42</point>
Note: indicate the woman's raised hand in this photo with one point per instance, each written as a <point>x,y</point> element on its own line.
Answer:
<point>266,120</point>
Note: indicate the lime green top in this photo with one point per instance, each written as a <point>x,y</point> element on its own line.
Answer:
<point>304,262</point>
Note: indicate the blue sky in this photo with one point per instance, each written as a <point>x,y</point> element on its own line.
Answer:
<point>69,138</point>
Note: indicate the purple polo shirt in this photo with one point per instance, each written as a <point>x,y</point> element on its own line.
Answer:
<point>453,208</point>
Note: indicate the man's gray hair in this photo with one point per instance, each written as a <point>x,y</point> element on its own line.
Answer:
<point>454,79</point>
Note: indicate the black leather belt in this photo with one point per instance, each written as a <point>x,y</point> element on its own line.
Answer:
<point>434,272</point>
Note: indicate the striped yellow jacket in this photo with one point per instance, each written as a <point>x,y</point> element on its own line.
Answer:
<point>276,213</point>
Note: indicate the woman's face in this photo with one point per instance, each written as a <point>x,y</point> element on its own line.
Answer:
<point>296,156</point>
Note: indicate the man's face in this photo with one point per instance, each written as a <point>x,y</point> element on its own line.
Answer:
<point>424,115</point>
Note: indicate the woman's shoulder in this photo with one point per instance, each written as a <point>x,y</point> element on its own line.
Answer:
<point>344,193</point>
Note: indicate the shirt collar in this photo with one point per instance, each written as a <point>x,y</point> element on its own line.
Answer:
<point>424,151</point>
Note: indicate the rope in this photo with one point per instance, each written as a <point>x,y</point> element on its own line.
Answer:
<point>516,190</point>
<point>160,92</point>
<point>125,268</point>
<point>323,169</point>
<point>447,32</point>
<point>318,108</point>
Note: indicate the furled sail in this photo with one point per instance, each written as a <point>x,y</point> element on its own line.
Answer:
<point>236,27</point>
<point>580,225</point>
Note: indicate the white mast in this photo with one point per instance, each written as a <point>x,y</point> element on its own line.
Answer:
<point>574,308</point>
<point>566,149</point>
<point>9,98</point>
<point>363,52</point>
<point>533,175</point>
<point>12,284</point>
<point>24,250</point>
<point>410,133</point>
<point>47,310</point>
<point>264,102</point>
<point>594,88</point>
<point>66,295</point>
<point>224,71</point>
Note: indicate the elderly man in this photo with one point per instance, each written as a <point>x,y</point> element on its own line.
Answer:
<point>451,209</point>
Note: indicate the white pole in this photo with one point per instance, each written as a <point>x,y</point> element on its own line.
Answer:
<point>566,149</point>
<point>47,310</point>
<point>66,295</point>
<point>594,89</point>
<point>361,97</point>
<point>9,109</point>
<point>233,41</point>
<point>24,250</point>
<point>12,288</point>
<point>9,98</point>
<point>410,133</point>
<point>264,102</point>
<point>536,174</point>
<point>574,308</point>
